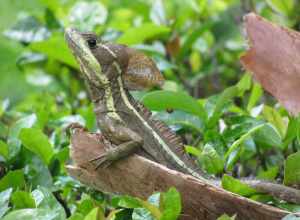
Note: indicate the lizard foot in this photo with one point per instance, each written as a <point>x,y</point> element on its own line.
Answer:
<point>103,161</point>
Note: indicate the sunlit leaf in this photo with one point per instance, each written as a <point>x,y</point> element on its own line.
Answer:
<point>13,142</point>
<point>51,46</point>
<point>144,32</point>
<point>4,201</point>
<point>14,179</point>
<point>171,203</point>
<point>22,199</point>
<point>162,100</point>
<point>36,141</point>
<point>292,169</point>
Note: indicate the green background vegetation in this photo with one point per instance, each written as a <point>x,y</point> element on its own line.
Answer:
<point>225,118</point>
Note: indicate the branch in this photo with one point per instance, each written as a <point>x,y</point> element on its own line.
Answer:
<point>137,176</point>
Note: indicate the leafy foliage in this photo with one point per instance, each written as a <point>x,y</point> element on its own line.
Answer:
<point>225,119</point>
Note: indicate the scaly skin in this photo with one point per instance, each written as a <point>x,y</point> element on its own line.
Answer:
<point>109,72</point>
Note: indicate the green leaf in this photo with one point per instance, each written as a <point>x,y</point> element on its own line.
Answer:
<point>269,174</point>
<point>226,217</point>
<point>4,201</point>
<point>239,141</point>
<point>36,141</point>
<point>22,199</point>
<point>244,84</point>
<point>141,214</point>
<point>14,179</point>
<point>292,130</point>
<point>255,95</point>
<point>292,169</point>
<point>268,136</point>
<point>162,100</point>
<point>94,214</point>
<point>223,99</point>
<point>285,7</point>
<point>192,150</point>
<point>13,142</point>
<point>28,30</point>
<point>32,214</point>
<point>273,116</point>
<point>127,202</point>
<point>76,216</point>
<point>234,185</point>
<point>50,47</point>
<point>44,199</point>
<point>192,38</point>
<point>171,203</point>
<point>85,16</point>
<point>210,160</point>
<point>4,150</point>
<point>136,35</point>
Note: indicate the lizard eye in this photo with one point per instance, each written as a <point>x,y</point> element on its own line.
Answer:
<point>92,43</point>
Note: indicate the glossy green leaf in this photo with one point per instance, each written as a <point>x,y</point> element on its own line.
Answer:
<point>142,214</point>
<point>13,179</point>
<point>239,141</point>
<point>234,185</point>
<point>44,199</point>
<point>273,116</point>
<point>292,130</point>
<point>171,203</point>
<point>36,141</point>
<point>32,214</point>
<point>162,100</point>
<point>13,142</point>
<point>4,201</point>
<point>22,199</point>
<point>268,136</point>
<point>181,118</point>
<point>144,32</point>
<point>127,202</point>
<point>292,169</point>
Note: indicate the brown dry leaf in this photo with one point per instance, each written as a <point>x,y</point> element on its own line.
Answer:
<point>274,59</point>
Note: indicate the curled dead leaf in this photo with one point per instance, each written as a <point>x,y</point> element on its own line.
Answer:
<point>274,59</point>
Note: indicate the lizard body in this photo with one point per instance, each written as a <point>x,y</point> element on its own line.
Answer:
<point>109,73</point>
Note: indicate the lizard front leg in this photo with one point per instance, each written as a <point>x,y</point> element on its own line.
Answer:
<point>125,140</point>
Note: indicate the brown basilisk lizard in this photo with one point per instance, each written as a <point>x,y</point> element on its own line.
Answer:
<point>109,71</point>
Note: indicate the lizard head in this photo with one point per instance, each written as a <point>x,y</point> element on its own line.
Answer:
<point>138,71</point>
